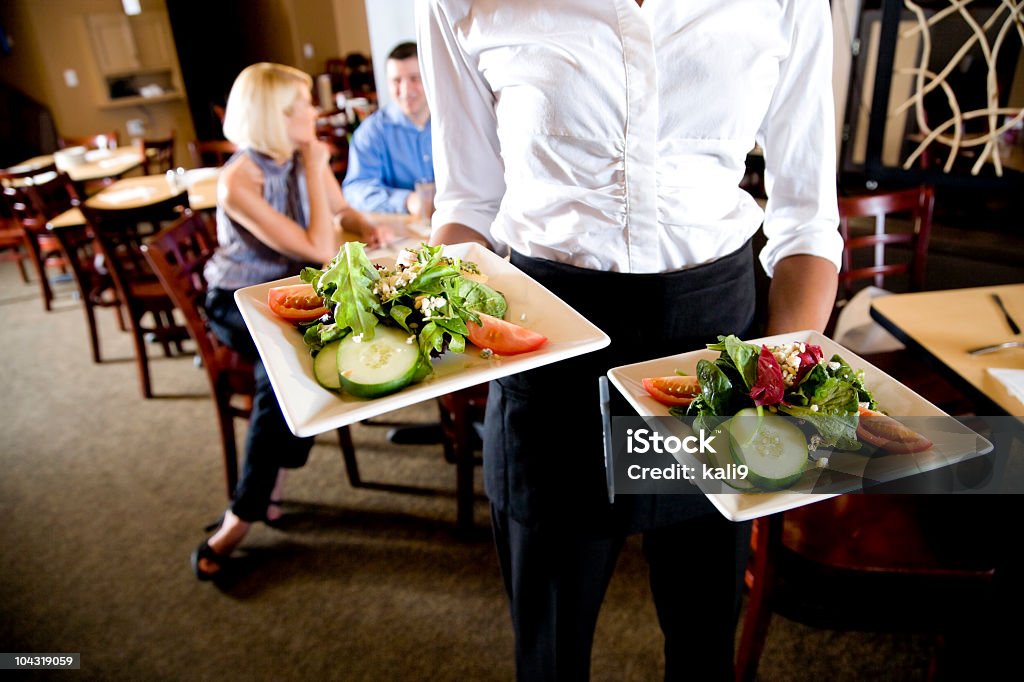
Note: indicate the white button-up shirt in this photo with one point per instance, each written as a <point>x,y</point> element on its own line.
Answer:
<point>612,136</point>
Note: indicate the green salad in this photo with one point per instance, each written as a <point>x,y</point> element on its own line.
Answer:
<point>385,324</point>
<point>791,379</point>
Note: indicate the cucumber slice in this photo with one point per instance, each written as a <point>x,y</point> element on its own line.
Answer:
<point>722,457</point>
<point>378,366</point>
<point>325,366</point>
<point>773,448</point>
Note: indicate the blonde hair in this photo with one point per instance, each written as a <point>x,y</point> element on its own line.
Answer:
<point>261,97</point>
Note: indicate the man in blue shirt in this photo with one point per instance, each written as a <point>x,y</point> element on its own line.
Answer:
<point>390,150</point>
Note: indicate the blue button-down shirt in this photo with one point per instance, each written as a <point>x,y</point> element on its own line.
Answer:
<point>388,154</point>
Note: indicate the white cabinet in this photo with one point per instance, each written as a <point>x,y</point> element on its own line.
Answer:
<point>135,56</point>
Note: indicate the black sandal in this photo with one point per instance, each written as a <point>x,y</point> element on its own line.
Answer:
<point>204,551</point>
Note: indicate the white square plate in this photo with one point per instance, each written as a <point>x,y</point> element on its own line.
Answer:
<point>310,409</point>
<point>951,444</point>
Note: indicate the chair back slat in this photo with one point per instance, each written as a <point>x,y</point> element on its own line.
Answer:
<point>178,255</point>
<point>158,154</point>
<point>916,205</point>
<point>33,196</point>
<point>209,153</point>
<point>37,195</point>
<point>120,234</point>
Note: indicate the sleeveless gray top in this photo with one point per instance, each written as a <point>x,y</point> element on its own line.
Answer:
<point>241,259</point>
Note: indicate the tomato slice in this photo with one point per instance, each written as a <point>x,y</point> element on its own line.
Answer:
<point>673,391</point>
<point>888,434</point>
<point>504,338</point>
<point>296,303</point>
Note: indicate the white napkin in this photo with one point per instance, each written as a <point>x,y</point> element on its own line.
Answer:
<point>857,331</point>
<point>1013,379</point>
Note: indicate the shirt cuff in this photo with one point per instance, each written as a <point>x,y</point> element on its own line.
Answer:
<point>478,221</point>
<point>815,239</point>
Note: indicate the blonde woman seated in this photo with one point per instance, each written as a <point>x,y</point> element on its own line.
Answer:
<point>279,208</point>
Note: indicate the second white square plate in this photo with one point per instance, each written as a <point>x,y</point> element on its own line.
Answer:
<point>951,444</point>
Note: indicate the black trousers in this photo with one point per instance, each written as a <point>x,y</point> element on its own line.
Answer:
<point>557,535</point>
<point>269,444</point>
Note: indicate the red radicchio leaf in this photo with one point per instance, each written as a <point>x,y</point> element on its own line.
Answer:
<point>811,356</point>
<point>769,388</point>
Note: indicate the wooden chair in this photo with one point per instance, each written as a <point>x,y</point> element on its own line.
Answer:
<point>459,411</point>
<point>158,154</point>
<point>882,219</point>
<point>120,234</point>
<point>34,197</point>
<point>210,153</point>
<point>916,205</point>
<point>12,239</point>
<point>108,140</point>
<point>869,224</point>
<point>909,563</point>
<point>178,255</point>
<point>95,285</point>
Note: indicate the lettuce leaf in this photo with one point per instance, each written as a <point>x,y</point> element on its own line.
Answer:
<point>348,283</point>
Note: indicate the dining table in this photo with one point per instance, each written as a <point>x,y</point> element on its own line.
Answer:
<point>201,184</point>
<point>98,164</point>
<point>136,192</point>
<point>945,326</point>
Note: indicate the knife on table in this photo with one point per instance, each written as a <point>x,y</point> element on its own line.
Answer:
<point>1009,320</point>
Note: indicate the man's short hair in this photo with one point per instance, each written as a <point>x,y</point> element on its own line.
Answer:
<point>403,51</point>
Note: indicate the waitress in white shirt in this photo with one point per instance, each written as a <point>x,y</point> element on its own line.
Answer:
<point>603,144</point>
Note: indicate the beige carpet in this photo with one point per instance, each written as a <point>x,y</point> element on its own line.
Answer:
<point>103,496</point>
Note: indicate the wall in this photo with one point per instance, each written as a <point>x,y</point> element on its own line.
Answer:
<point>50,37</point>
<point>390,22</point>
<point>845,15</point>
<point>351,27</point>
<point>313,24</point>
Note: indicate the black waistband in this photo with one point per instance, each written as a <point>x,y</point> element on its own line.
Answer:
<point>722,269</point>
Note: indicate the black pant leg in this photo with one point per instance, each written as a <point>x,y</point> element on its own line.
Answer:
<point>696,573</point>
<point>269,446</point>
<point>556,581</point>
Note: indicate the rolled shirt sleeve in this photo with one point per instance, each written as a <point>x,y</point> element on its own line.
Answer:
<point>467,156</point>
<point>798,138</point>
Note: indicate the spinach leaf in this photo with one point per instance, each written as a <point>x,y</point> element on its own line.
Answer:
<point>834,430</point>
<point>835,396</point>
<point>715,387</point>
<point>744,359</point>
<point>400,314</point>
<point>801,394</point>
<point>854,377</point>
<point>319,335</point>
<point>480,298</point>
